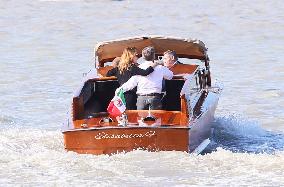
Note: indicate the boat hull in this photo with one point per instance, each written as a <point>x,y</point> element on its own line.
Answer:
<point>124,139</point>
<point>109,140</point>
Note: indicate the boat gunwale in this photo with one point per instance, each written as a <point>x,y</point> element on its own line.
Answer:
<point>129,127</point>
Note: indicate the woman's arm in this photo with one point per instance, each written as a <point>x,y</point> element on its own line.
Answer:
<point>144,72</point>
<point>112,72</point>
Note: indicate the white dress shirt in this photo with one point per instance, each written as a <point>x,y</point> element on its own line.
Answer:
<point>151,83</point>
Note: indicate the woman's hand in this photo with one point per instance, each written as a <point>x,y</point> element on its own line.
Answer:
<point>154,64</point>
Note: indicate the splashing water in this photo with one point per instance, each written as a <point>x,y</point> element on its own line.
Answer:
<point>238,134</point>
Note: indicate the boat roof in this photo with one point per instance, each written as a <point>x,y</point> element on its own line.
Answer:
<point>185,48</point>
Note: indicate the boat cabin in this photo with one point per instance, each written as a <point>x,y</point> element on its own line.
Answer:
<point>91,101</point>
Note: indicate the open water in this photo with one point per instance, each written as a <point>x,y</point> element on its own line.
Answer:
<point>46,46</point>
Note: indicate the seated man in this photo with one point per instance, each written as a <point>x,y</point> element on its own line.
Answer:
<point>170,59</point>
<point>149,87</point>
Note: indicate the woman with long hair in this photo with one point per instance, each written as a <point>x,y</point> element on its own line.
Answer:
<point>127,67</point>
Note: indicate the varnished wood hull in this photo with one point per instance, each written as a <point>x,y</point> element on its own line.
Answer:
<point>114,139</point>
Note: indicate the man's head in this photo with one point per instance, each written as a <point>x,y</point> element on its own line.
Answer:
<point>169,58</point>
<point>148,53</point>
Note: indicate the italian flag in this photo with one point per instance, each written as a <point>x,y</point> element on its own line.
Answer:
<point>117,105</point>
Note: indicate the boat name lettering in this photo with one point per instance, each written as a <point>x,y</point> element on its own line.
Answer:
<point>103,135</point>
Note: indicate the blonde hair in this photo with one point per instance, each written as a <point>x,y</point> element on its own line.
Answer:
<point>126,59</point>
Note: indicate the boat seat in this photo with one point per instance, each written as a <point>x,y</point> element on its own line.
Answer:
<point>183,68</point>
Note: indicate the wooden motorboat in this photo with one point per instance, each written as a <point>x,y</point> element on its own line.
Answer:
<point>183,124</point>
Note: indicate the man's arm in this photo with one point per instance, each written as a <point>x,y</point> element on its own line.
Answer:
<point>168,74</point>
<point>129,85</point>
<point>144,72</point>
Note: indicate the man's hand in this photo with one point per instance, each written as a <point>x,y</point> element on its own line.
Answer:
<point>153,64</point>
<point>159,62</point>
<point>117,91</point>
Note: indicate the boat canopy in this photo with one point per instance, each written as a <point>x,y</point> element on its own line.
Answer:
<point>185,48</point>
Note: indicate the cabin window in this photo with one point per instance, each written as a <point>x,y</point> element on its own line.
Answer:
<point>190,61</point>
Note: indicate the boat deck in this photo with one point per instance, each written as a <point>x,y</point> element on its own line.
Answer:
<point>163,118</point>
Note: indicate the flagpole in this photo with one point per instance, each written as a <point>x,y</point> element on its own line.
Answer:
<point>124,119</point>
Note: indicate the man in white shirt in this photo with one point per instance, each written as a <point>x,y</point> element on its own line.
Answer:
<point>149,87</point>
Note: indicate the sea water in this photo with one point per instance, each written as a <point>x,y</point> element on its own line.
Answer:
<point>47,45</point>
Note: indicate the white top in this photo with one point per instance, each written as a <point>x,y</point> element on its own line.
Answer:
<point>151,83</point>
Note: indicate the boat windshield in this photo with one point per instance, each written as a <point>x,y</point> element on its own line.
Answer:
<point>190,61</point>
